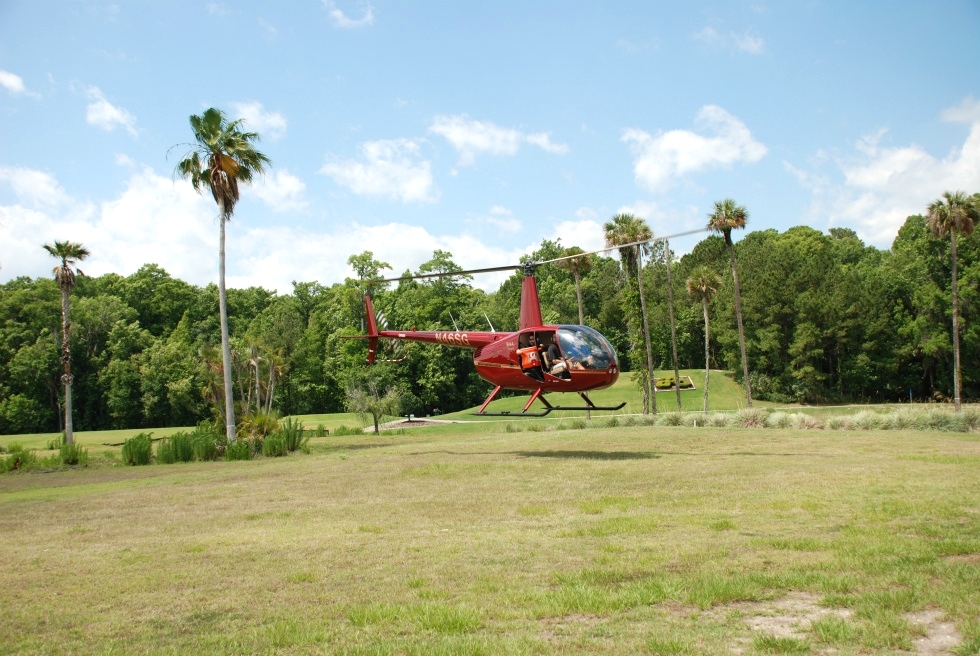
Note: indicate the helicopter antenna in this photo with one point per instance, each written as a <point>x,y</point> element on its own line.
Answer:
<point>455,327</point>
<point>492,329</point>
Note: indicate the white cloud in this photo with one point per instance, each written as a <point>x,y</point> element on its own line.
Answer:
<point>660,159</point>
<point>103,114</point>
<point>501,218</point>
<point>153,220</point>
<point>340,19</point>
<point>390,168</point>
<point>749,43</point>
<point>883,185</point>
<point>281,191</point>
<point>37,189</point>
<point>157,220</point>
<point>471,138</point>
<point>270,125</point>
<point>15,84</point>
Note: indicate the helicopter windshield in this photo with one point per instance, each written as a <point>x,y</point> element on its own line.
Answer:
<point>585,348</point>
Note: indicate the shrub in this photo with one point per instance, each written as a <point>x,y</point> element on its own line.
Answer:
<point>778,420</point>
<point>239,450</point>
<point>670,419</point>
<point>292,433</point>
<point>19,460</point>
<point>138,449</point>
<point>205,442</point>
<point>612,422</point>
<point>838,423</point>
<point>806,422</point>
<point>258,425</point>
<point>275,445</point>
<point>664,383</point>
<point>720,420</point>
<point>750,418</point>
<point>628,420</point>
<point>866,420</point>
<point>72,454</point>
<point>342,430</point>
<point>320,431</point>
<point>179,447</point>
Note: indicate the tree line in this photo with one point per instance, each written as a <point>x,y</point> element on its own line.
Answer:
<point>826,317</point>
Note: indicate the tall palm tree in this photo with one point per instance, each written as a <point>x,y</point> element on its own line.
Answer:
<point>628,229</point>
<point>673,324</point>
<point>954,213</point>
<point>727,216</point>
<point>702,286</point>
<point>70,254</point>
<point>222,157</point>
<point>578,266</point>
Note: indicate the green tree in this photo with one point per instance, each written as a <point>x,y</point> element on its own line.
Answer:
<point>625,231</point>
<point>702,286</point>
<point>727,216</point>
<point>955,213</point>
<point>223,156</point>
<point>70,254</point>
<point>368,396</point>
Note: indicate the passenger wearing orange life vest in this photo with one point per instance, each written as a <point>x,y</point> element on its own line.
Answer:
<point>531,359</point>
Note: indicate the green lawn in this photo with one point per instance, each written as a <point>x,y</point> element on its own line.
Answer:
<point>633,540</point>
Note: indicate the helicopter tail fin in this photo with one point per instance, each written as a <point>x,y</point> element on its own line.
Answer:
<point>372,326</point>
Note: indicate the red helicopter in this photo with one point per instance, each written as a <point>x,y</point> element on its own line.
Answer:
<point>537,358</point>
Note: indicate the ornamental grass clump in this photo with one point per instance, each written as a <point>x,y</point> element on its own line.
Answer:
<point>779,420</point>
<point>802,421</point>
<point>669,419</point>
<point>341,431</point>
<point>240,450</point>
<point>138,450</point>
<point>73,454</point>
<point>274,446</point>
<point>292,432</point>
<point>179,447</point>
<point>750,418</point>
<point>866,420</point>
<point>205,442</point>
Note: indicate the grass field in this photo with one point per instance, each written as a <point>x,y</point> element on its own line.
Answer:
<point>638,540</point>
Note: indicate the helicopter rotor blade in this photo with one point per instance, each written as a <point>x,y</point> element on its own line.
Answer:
<point>619,246</point>
<point>522,265</point>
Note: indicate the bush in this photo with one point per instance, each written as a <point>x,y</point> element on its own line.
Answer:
<point>274,446</point>
<point>179,447</point>
<point>342,430</point>
<point>320,431</point>
<point>670,419</point>
<point>72,454</point>
<point>258,425</point>
<point>19,460</point>
<point>750,418</point>
<point>138,449</point>
<point>803,421</point>
<point>239,450</point>
<point>292,432</point>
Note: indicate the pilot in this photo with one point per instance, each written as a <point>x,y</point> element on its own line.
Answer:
<point>531,359</point>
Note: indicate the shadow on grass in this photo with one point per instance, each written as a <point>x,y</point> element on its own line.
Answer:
<point>590,455</point>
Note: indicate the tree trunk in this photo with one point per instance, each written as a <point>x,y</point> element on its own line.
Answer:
<point>956,329</point>
<point>738,317</point>
<point>225,342</point>
<point>578,292</point>
<point>673,325</point>
<point>651,388</point>
<point>707,353</point>
<point>66,377</point>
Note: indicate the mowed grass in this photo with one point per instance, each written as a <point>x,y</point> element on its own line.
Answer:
<point>611,541</point>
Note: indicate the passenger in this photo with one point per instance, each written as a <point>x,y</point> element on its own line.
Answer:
<point>531,359</point>
<point>557,366</point>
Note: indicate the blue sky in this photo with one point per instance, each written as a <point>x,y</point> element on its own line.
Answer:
<point>474,127</point>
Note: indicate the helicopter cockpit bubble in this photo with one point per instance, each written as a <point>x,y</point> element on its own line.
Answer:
<point>585,348</point>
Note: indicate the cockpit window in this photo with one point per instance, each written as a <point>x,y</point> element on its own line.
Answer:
<point>584,348</point>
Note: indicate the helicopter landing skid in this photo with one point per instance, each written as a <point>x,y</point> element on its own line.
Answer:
<point>589,405</point>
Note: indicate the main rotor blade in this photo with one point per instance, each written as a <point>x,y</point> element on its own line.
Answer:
<point>513,267</point>
<point>619,246</point>
<point>449,274</point>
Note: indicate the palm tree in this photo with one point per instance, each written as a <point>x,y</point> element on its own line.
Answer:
<point>727,216</point>
<point>222,157</point>
<point>628,229</point>
<point>70,254</point>
<point>954,213</point>
<point>673,324</point>
<point>578,266</point>
<point>702,286</point>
